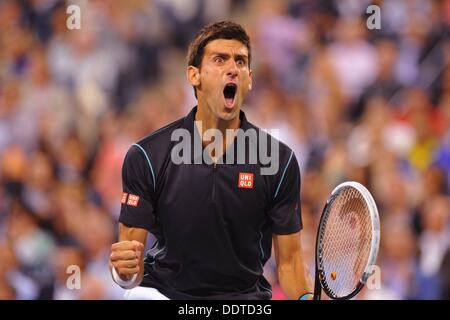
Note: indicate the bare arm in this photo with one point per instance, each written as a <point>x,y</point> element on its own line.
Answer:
<point>127,255</point>
<point>293,273</point>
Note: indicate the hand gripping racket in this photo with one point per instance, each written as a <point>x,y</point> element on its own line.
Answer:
<point>347,242</point>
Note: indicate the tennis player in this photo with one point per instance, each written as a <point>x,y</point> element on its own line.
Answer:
<point>214,220</point>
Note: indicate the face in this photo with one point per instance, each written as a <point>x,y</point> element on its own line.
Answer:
<point>223,79</point>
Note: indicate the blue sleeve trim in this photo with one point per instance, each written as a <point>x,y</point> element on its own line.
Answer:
<point>149,164</point>
<point>284,172</point>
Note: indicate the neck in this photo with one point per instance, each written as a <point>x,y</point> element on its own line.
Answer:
<point>209,120</point>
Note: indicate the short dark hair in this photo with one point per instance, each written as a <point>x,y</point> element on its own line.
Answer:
<point>218,30</point>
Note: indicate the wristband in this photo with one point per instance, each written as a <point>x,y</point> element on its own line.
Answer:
<point>124,284</point>
<point>305,296</point>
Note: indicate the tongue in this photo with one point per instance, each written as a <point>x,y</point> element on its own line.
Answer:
<point>229,102</point>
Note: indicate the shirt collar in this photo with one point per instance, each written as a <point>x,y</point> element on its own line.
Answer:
<point>189,125</point>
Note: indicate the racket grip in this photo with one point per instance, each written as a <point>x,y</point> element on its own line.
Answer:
<point>317,288</point>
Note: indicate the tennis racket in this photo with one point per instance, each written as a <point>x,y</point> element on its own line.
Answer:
<point>347,242</point>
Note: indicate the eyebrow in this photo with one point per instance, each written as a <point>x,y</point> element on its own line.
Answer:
<point>226,55</point>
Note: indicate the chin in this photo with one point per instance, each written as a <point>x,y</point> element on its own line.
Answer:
<point>228,115</point>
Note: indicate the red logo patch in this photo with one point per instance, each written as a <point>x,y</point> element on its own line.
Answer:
<point>133,200</point>
<point>245,180</point>
<point>124,197</point>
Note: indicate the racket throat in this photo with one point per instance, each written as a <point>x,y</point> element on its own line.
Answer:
<point>317,286</point>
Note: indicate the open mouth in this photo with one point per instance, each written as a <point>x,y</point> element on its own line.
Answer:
<point>229,92</point>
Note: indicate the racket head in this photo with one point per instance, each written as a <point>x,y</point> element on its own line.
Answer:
<point>347,241</point>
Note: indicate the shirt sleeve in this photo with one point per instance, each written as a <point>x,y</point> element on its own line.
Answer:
<point>137,208</point>
<point>285,212</point>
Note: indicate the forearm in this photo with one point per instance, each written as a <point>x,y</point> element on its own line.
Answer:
<point>294,278</point>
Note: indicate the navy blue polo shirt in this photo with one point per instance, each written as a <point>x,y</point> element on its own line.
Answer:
<point>213,222</point>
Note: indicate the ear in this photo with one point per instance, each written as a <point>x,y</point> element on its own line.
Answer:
<point>193,76</point>
<point>250,84</point>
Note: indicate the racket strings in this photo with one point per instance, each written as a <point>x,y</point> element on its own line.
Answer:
<point>346,242</point>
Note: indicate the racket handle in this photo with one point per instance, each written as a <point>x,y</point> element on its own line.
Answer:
<point>317,288</point>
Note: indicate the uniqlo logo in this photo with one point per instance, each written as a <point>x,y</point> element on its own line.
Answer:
<point>245,180</point>
<point>124,197</point>
<point>133,200</point>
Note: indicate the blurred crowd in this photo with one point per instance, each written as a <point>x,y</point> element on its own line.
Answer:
<point>355,104</point>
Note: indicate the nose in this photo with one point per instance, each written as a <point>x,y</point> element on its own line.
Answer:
<point>232,70</point>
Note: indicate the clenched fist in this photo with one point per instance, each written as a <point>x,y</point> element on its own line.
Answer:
<point>127,258</point>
